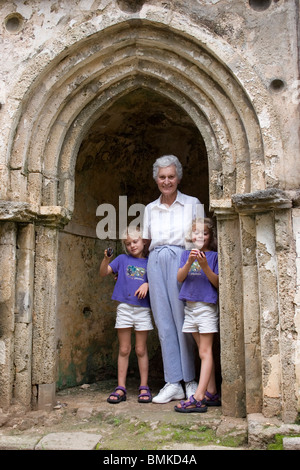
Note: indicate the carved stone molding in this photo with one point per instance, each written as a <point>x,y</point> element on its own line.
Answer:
<point>262,201</point>
<point>24,212</point>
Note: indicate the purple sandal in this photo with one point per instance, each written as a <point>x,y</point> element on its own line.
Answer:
<point>147,395</point>
<point>212,400</point>
<point>117,395</point>
<point>198,406</point>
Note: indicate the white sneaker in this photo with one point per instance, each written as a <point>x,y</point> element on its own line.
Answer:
<point>190,388</point>
<point>168,393</point>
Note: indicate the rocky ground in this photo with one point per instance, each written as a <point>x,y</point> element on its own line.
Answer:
<point>83,420</point>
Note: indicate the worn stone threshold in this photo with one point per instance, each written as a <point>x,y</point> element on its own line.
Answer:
<point>83,420</point>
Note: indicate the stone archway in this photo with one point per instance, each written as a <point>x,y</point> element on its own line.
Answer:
<point>227,104</point>
<point>88,78</point>
<point>114,166</point>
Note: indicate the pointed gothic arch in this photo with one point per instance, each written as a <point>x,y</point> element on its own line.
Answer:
<point>82,81</point>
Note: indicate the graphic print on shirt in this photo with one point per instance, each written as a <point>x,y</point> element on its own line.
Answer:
<point>135,272</point>
<point>195,268</point>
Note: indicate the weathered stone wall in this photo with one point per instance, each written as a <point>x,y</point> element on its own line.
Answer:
<point>91,93</point>
<point>296,345</point>
<point>8,261</point>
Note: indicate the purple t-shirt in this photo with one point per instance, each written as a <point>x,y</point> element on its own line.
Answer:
<point>196,287</point>
<point>132,273</point>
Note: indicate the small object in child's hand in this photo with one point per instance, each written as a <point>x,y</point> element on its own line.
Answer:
<point>109,252</point>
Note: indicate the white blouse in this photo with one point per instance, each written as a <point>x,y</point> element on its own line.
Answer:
<point>165,225</point>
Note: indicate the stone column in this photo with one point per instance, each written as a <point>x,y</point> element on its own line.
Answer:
<point>16,297</point>
<point>44,317</point>
<point>275,255</point>
<point>231,314</point>
<point>44,353</point>
<point>287,288</point>
<point>251,314</point>
<point>269,314</point>
<point>7,304</point>
<point>28,254</point>
<point>296,231</point>
<point>23,313</point>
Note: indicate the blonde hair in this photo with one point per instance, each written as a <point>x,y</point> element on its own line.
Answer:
<point>213,245</point>
<point>132,232</point>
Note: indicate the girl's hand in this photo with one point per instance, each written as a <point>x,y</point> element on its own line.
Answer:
<point>212,277</point>
<point>142,291</point>
<point>105,269</point>
<point>193,255</point>
<point>106,255</point>
<point>202,260</point>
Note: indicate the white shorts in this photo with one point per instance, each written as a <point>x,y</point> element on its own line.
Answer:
<point>200,317</point>
<point>132,316</point>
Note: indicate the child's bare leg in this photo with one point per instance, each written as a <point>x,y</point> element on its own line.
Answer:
<point>204,342</point>
<point>124,336</point>
<point>207,364</point>
<point>211,386</point>
<point>142,356</point>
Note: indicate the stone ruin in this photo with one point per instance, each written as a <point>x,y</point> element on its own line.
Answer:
<point>92,92</point>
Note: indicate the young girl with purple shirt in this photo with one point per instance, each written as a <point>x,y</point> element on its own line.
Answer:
<point>199,275</point>
<point>133,311</point>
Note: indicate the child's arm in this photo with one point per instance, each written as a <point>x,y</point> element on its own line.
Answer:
<point>183,272</point>
<point>212,277</point>
<point>141,292</point>
<point>105,269</point>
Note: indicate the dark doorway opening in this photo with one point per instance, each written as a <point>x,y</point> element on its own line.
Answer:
<point>115,159</point>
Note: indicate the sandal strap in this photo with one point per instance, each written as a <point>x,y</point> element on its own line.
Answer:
<point>212,397</point>
<point>198,404</point>
<point>148,392</point>
<point>113,394</point>
<point>144,387</point>
<point>119,387</point>
<point>191,401</point>
<point>148,395</point>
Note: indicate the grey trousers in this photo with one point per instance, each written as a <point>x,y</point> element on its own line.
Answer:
<point>168,312</point>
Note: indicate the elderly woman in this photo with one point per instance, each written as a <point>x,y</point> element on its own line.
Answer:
<point>165,224</point>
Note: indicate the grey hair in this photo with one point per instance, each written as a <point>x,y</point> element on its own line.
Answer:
<point>163,162</point>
